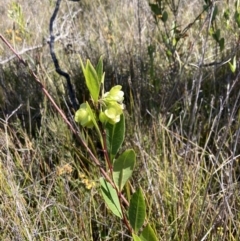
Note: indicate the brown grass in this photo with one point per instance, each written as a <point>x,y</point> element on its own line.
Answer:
<point>182,121</point>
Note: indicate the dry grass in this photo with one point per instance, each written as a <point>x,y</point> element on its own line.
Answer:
<point>183,121</point>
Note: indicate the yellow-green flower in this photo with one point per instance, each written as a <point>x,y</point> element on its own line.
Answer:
<point>115,94</point>
<point>111,112</point>
<point>83,116</point>
<point>112,106</point>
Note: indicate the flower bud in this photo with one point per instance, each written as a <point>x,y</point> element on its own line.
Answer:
<point>83,117</point>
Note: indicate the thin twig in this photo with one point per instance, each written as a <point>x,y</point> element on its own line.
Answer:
<point>20,53</point>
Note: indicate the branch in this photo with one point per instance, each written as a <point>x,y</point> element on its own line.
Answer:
<point>20,53</point>
<point>71,92</point>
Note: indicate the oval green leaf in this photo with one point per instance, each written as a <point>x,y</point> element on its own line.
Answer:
<point>99,70</point>
<point>148,234</point>
<point>111,198</point>
<point>92,81</point>
<point>114,136</point>
<point>237,18</point>
<point>233,65</point>
<point>136,238</point>
<point>221,44</point>
<point>164,17</point>
<point>123,168</point>
<point>137,210</point>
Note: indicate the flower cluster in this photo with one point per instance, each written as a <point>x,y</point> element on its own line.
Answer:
<point>111,109</point>
<point>112,105</point>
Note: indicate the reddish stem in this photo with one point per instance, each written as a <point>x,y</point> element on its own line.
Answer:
<point>74,131</point>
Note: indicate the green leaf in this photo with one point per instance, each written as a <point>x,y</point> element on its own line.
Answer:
<point>215,12</point>
<point>148,234</point>
<point>93,119</point>
<point>115,135</point>
<point>99,70</point>
<point>233,65</point>
<point>164,17</point>
<point>216,35</point>
<point>111,198</point>
<point>221,44</point>
<point>237,18</point>
<point>135,237</point>
<point>92,81</point>
<point>123,168</point>
<point>226,14</point>
<point>137,210</point>
<point>155,9</point>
